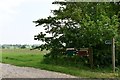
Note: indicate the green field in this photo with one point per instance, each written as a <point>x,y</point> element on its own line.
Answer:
<point>34,58</point>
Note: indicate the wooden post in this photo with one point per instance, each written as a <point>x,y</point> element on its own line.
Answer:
<point>113,54</point>
<point>91,57</point>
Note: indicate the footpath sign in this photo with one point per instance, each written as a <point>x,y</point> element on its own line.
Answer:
<point>108,42</point>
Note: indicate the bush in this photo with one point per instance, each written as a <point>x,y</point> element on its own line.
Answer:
<point>73,61</point>
<point>102,58</point>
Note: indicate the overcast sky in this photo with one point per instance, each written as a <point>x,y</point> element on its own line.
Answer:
<point>16,16</point>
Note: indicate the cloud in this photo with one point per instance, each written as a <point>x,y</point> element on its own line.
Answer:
<point>16,19</point>
<point>8,9</point>
<point>8,6</point>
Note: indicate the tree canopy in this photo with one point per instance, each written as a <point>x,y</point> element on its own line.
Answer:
<point>80,25</point>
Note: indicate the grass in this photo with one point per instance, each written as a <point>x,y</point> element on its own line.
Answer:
<point>34,58</point>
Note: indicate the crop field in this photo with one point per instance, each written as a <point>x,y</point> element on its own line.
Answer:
<point>34,58</point>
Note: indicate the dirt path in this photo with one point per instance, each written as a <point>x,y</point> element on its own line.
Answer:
<point>10,71</point>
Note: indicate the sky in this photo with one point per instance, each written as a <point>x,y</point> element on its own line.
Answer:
<point>16,20</point>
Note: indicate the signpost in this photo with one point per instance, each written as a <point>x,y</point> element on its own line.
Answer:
<point>112,42</point>
<point>113,54</point>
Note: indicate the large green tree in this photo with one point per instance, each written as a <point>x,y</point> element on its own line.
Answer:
<point>80,25</point>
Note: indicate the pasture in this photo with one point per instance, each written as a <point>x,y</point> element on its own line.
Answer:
<point>35,58</point>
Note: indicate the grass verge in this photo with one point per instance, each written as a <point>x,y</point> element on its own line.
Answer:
<point>27,58</point>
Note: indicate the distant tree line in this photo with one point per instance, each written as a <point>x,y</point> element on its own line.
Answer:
<point>18,46</point>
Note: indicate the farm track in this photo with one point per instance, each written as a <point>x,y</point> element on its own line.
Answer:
<point>10,71</point>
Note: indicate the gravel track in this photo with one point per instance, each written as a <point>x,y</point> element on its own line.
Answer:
<point>10,71</point>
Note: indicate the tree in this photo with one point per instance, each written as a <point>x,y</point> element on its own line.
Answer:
<point>80,25</point>
<point>23,46</point>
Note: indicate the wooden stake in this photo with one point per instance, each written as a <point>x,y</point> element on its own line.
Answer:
<point>91,57</point>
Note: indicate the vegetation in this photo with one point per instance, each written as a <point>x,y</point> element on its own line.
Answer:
<point>74,25</point>
<point>82,25</point>
<point>17,46</point>
<point>34,58</point>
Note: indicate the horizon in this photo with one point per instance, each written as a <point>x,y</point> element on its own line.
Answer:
<point>20,44</point>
